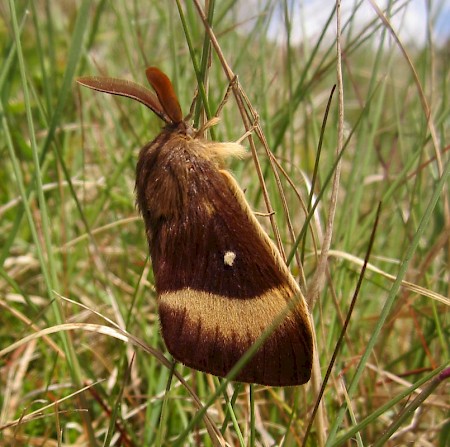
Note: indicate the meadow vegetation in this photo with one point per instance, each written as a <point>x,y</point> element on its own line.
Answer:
<point>82,361</point>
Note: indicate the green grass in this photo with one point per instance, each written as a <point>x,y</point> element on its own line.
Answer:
<point>81,354</point>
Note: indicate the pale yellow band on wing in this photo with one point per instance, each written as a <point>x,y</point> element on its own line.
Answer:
<point>232,317</point>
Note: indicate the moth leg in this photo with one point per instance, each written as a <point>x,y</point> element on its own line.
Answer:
<point>260,214</point>
<point>249,131</point>
<point>191,109</point>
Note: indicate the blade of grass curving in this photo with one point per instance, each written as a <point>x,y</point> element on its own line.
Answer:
<point>316,163</point>
<point>299,91</point>
<point>204,59</point>
<point>328,178</point>
<point>68,349</point>
<point>114,413</point>
<point>159,441</point>
<point>49,272</point>
<point>7,62</point>
<point>442,182</point>
<point>387,407</point>
<point>197,69</point>
<point>15,286</point>
<point>237,390</point>
<point>321,67</point>
<point>93,30</point>
<point>422,97</point>
<point>232,415</point>
<point>348,223</point>
<point>252,417</point>
<point>46,84</point>
<point>344,327</point>
<point>74,55</point>
<point>413,406</point>
<point>6,66</point>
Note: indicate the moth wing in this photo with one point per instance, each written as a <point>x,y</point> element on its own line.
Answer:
<point>221,283</point>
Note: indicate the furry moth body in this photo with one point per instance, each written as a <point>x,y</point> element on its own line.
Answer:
<point>219,278</point>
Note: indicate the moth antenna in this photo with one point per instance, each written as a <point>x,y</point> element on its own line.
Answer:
<point>129,89</point>
<point>166,93</point>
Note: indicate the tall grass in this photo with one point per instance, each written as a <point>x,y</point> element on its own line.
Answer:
<point>82,361</point>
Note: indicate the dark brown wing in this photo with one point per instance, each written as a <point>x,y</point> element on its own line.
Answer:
<point>219,278</point>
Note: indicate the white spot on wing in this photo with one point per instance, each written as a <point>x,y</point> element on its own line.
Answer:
<point>229,257</point>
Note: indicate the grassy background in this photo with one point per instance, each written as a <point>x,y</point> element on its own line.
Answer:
<point>69,227</point>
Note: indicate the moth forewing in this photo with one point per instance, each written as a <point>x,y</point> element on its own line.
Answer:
<point>220,280</point>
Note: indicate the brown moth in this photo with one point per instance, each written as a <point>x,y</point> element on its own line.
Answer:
<point>219,278</point>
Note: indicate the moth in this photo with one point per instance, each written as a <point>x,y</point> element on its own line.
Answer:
<point>219,278</point>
